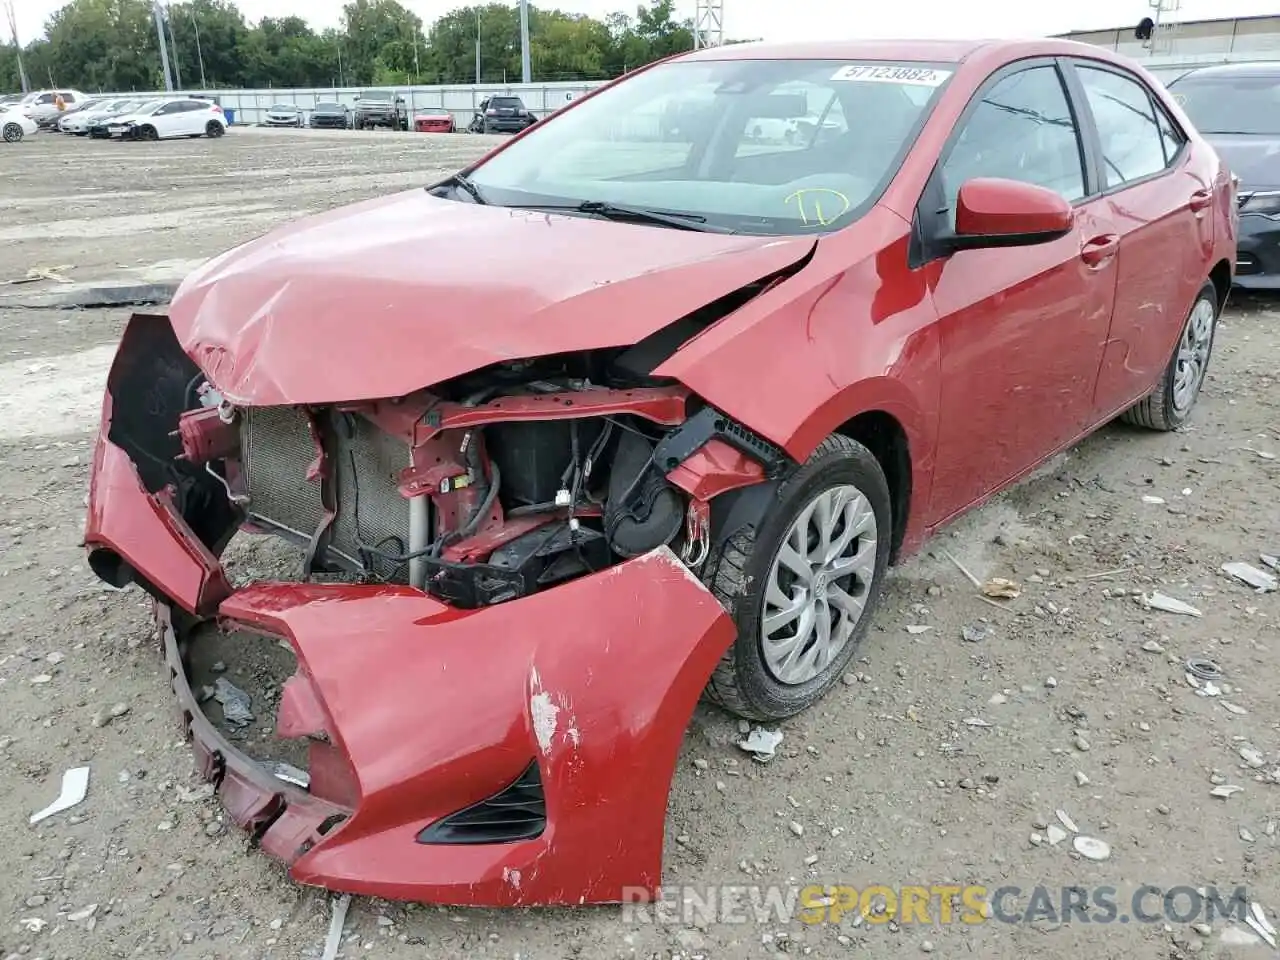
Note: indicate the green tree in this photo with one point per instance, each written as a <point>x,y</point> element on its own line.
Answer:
<point>383,41</point>
<point>211,33</point>
<point>102,45</point>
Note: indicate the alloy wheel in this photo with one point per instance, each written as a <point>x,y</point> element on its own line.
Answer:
<point>819,584</point>
<point>1193,354</point>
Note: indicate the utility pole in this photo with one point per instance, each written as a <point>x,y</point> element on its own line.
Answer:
<point>13,30</point>
<point>526,73</point>
<point>477,45</point>
<point>708,23</point>
<point>164,49</point>
<point>199,53</point>
<point>173,41</point>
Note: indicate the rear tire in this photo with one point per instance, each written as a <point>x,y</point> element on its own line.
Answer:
<point>213,129</point>
<point>748,576</point>
<point>1167,407</point>
<point>13,133</point>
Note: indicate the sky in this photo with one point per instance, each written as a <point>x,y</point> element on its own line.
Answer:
<point>801,19</point>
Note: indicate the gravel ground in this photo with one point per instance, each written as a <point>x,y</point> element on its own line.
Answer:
<point>940,760</point>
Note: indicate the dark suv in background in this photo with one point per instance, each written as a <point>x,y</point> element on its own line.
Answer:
<point>1236,107</point>
<point>380,109</point>
<point>504,114</point>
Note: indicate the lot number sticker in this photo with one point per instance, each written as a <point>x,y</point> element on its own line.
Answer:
<point>917,76</point>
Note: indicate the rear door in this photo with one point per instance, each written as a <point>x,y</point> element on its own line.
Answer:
<point>1022,328</point>
<point>1162,208</point>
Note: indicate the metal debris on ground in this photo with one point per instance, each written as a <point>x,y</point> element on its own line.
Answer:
<point>1167,604</point>
<point>1203,668</point>
<point>1002,588</point>
<point>236,704</point>
<point>761,743</point>
<point>75,787</point>
<point>963,569</point>
<point>1248,574</point>
<point>336,924</point>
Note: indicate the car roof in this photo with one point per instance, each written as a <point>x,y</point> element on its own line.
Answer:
<point>1261,68</point>
<point>924,51</point>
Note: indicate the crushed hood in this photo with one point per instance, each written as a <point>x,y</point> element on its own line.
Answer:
<point>385,297</point>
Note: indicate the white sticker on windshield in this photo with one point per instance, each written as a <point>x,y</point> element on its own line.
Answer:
<point>916,76</point>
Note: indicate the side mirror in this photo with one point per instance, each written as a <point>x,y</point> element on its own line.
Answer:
<point>993,212</point>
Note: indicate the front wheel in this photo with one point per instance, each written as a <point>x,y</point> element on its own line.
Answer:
<point>803,586</point>
<point>149,133</point>
<point>1167,407</point>
<point>13,132</point>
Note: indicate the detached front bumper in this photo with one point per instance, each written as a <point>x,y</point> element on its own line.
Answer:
<point>415,713</point>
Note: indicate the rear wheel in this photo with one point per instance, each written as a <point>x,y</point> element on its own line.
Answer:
<point>213,129</point>
<point>13,132</point>
<point>1167,407</point>
<point>803,586</point>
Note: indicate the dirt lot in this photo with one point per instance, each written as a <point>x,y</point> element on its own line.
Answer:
<point>940,760</point>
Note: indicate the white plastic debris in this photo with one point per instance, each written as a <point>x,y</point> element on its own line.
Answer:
<point>83,914</point>
<point>1066,821</point>
<point>1091,848</point>
<point>1225,791</point>
<point>1258,922</point>
<point>1159,601</point>
<point>761,743</point>
<point>1055,834</point>
<point>75,787</point>
<point>977,722</point>
<point>336,924</point>
<point>1270,561</point>
<point>1246,573</point>
<point>918,628</point>
<point>236,704</point>
<point>1152,500</point>
<point>33,924</point>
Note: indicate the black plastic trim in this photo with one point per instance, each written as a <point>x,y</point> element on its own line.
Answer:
<point>517,812</point>
<point>708,424</point>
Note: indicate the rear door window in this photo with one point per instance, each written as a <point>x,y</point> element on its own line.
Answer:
<point>1133,145</point>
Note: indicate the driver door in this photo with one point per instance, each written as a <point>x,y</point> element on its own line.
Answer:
<point>168,120</point>
<point>1022,328</point>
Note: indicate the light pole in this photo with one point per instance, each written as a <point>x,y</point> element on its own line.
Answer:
<point>526,73</point>
<point>164,49</point>
<point>477,45</point>
<point>199,53</point>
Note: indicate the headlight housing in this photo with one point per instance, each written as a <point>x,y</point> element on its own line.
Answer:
<point>1264,202</point>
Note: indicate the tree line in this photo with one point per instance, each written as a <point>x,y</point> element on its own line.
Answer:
<point>112,45</point>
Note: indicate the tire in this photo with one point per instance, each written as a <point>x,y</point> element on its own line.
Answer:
<point>148,133</point>
<point>741,573</point>
<point>1167,407</point>
<point>13,133</point>
<point>213,130</point>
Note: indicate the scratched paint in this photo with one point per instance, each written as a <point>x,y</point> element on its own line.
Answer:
<point>545,717</point>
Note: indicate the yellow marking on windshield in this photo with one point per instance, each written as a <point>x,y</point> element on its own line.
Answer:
<point>809,204</point>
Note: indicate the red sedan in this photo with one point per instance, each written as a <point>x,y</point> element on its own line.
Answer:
<point>638,409</point>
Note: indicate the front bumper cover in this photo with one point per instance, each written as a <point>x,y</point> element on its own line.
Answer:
<point>415,710</point>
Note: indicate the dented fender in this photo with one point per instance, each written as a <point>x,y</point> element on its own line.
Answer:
<point>436,709</point>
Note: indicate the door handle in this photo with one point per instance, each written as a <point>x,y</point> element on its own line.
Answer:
<point>1099,249</point>
<point>1201,200</point>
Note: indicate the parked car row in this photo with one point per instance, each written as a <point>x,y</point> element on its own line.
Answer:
<point>146,119</point>
<point>499,114</point>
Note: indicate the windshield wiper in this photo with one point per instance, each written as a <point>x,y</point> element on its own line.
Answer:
<point>461,181</point>
<point>623,212</point>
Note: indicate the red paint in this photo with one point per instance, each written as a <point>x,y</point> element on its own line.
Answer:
<point>622,683</point>
<point>205,437</point>
<point>714,469</point>
<point>991,207</point>
<point>147,531</point>
<point>442,123</point>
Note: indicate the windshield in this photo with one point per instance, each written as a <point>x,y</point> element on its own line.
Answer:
<point>283,107</point>
<point>149,106</point>
<point>756,146</point>
<point>328,106</point>
<point>1225,104</point>
<point>381,97</point>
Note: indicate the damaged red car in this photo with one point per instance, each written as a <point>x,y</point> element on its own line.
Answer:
<point>768,316</point>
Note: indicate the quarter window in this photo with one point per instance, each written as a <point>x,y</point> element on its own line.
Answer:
<point>1169,134</point>
<point>1133,146</point>
<point>1021,129</point>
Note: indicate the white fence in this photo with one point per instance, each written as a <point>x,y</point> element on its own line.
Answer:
<point>250,106</point>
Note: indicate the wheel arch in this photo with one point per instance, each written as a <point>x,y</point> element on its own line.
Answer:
<point>882,434</point>
<point>1220,275</point>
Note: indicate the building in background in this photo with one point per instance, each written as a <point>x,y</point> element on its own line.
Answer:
<point>1178,47</point>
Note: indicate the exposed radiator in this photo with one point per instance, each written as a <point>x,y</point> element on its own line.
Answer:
<point>277,448</point>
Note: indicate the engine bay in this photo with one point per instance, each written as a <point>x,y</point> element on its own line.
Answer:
<point>485,488</point>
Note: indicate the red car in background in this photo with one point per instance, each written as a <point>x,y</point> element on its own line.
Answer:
<point>730,371</point>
